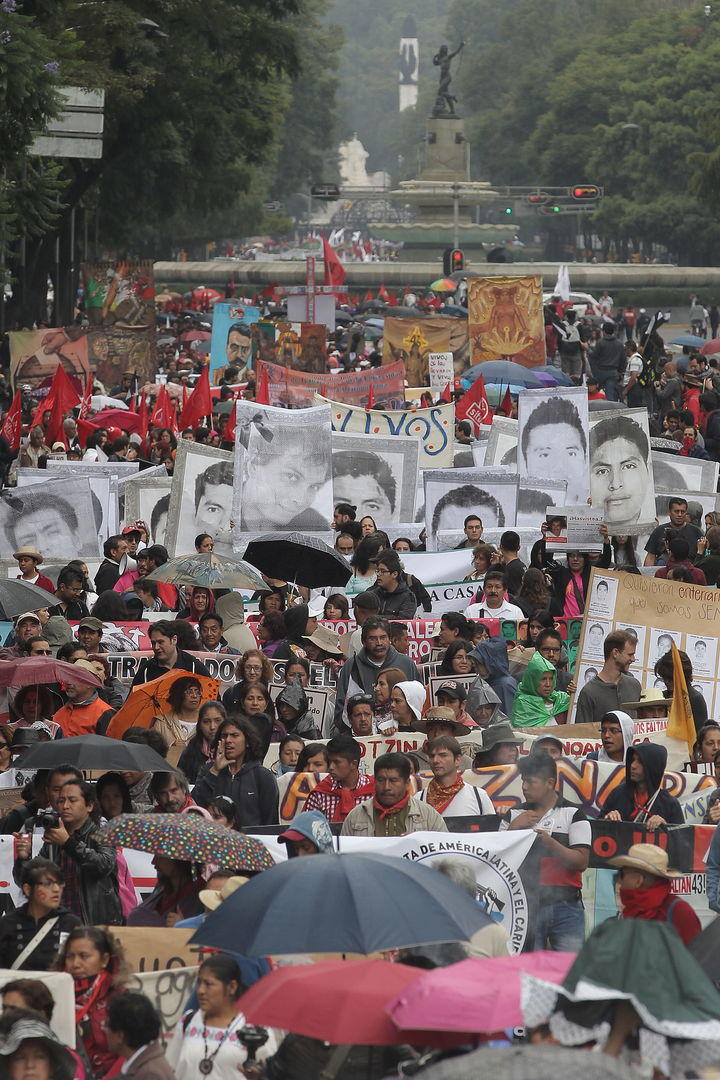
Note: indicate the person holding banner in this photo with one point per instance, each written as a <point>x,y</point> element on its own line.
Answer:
<point>640,797</point>
<point>565,837</point>
<point>392,811</point>
<point>447,792</point>
<point>346,786</point>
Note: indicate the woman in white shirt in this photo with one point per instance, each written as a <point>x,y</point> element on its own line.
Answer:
<point>207,1043</point>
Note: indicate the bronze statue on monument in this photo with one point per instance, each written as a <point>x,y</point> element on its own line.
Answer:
<point>445,101</point>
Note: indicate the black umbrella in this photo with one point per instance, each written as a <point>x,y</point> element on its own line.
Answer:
<point>298,558</point>
<point>17,597</point>
<point>95,752</point>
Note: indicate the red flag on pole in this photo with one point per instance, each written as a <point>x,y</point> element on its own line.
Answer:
<point>160,416</point>
<point>228,434</point>
<point>55,432</point>
<point>446,394</point>
<point>85,428</point>
<point>334,269</point>
<point>86,403</point>
<point>474,405</point>
<point>369,296</point>
<point>199,404</point>
<point>383,294</point>
<point>62,390</point>
<point>11,429</point>
<point>505,406</point>
<point>144,422</point>
<point>173,425</point>
<point>262,389</point>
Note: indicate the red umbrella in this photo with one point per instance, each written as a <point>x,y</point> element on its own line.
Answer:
<point>710,347</point>
<point>195,335</point>
<point>37,670</point>
<point>204,295</point>
<point>339,1001</point>
<point>122,418</point>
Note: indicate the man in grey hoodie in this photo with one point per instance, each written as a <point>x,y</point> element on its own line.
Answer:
<point>359,672</point>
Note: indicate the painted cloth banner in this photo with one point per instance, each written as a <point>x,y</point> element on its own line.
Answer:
<point>433,428</point>
<point>35,355</point>
<point>312,347</point>
<point>581,782</point>
<point>113,350</point>
<point>119,293</point>
<point>231,344</point>
<point>505,316</point>
<point>294,389</point>
<point>660,612</point>
<point>411,340</point>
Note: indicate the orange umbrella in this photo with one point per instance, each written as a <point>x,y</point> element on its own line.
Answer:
<point>152,699</point>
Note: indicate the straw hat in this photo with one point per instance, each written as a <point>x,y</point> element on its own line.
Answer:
<point>444,715</point>
<point>213,898</point>
<point>325,639</point>
<point>28,549</point>
<point>648,697</point>
<point>648,858</point>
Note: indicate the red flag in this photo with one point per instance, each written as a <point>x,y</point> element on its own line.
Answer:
<point>55,432</point>
<point>392,299</point>
<point>383,294</point>
<point>173,425</point>
<point>369,295</point>
<point>12,422</point>
<point>184,399</point>
<point>334,269</point>
<point>199,404</point>
<point>62,390</point>
<point>474,406</point>
<point>262,388</point>
<point>446,394</point>
<point>161,413</point>
<point>85,404</point>
<point>228,434</point>
<point>85,428</point>
<point>371,398</point>
<point>505,406</point>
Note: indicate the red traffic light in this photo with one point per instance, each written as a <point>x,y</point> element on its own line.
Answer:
<point>585,191</point>
<point>453,260</point>
<point>539,198</point>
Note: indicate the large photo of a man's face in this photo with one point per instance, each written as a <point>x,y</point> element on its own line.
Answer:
<point>59,517</point>
<point>201,496</point>
<point>283,469</point>
<point>451,496</point>
<point>375,475</point>
<point>621,476</point>
<point>231,344</point>
<point>553,438</point>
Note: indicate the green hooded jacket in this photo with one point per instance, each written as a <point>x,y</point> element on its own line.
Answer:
<point>531,710</point>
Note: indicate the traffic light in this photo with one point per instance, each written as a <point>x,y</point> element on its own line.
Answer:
<point>585,192</point>
<point>538,198</point>
<point>508,209</point>
<point>453,260</point>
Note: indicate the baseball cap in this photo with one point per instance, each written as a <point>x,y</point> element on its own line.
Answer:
<point>452,689</point>
<point>92,623</point>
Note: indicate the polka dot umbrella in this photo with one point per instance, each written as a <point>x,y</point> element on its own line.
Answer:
<point>189,837</point>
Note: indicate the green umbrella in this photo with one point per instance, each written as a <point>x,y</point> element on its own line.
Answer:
<point>633,960</point>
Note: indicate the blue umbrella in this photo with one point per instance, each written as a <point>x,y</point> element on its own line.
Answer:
<point>359,903</point>
<point>561,379</point>
<point>689,340</point>
<point>503,371</point>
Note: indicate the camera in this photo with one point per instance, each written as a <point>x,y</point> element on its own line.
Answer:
<point>253,1039</point>
<point>47,818</point>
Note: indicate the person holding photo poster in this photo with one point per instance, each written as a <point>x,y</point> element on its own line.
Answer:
<point>621,479</point>
<point>553,441</point>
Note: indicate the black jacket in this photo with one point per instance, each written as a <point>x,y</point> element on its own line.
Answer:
<point>654,760</point>
<point>107,575</point>
<point>304,725</point>
<point>253,789</point>
<point>96,866</point>
<point>18,928</point>
<point>401,604</point>
<point>192,760</point>
<point>150,669</point>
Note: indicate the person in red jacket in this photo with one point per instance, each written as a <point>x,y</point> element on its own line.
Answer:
<point>645,890</point>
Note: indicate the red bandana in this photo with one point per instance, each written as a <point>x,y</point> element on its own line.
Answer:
<point>441,797</point>
<point>383,811</point>
<point>348,797</point>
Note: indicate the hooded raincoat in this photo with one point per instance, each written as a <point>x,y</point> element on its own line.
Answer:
<point>481,693</point>
<point>529,708</point>
<point>493,655</point>
<point>304,724</point>
<point>624,798</point>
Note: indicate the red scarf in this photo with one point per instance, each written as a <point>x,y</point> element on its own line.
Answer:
<point>87,992</point>
<point>640,802</point>
<point>347,797</point>
<point>441,797</point>
<point>644,903</point>
<point>388,811</point>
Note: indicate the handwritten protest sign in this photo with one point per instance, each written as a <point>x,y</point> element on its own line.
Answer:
<point>433,428</point>
<point>440,366</point>
<point>295,389</point>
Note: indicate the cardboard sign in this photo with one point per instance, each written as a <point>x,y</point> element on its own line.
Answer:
<point>440,365</point>
<point>372,746</point>
<point>147,950</point>
<point>317,700</point>
<point>295,389</point>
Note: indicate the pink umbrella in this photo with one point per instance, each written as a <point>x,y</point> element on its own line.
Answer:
<point>710,347</point>
<point>479,994</point>
<point>195,335</point>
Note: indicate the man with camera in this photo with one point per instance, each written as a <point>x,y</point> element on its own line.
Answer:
<point>88,866</point>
